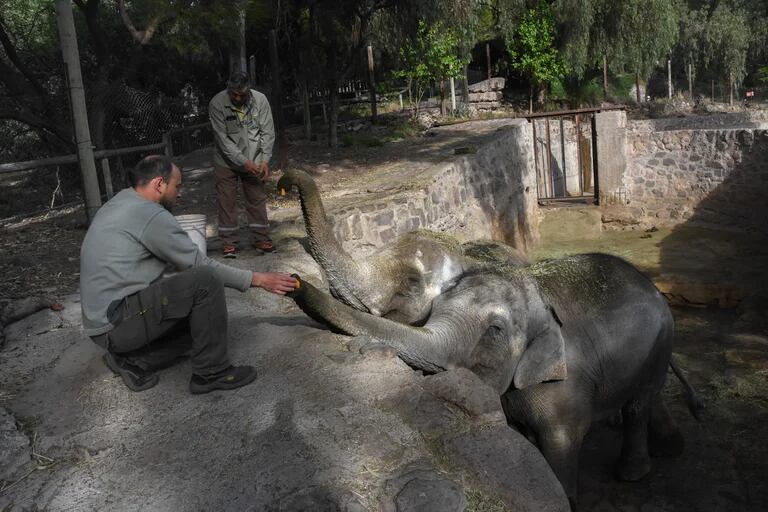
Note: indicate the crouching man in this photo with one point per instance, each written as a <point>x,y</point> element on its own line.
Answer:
<point>143,320</point>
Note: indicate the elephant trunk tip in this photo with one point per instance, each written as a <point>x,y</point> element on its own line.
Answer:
<point>296,287</point>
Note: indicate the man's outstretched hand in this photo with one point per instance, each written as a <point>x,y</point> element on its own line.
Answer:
<point>275,282</point>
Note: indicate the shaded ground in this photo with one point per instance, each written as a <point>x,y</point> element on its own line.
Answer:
<point>724,353</point>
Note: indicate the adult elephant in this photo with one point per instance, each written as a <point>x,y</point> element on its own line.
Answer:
<point>564,342</point>
<point>400,281</point>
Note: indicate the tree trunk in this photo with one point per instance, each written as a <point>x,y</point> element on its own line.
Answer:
<point>530,99</point>
<point>488,58</point>
<point>307,117</point>
<point>637,87</point>
<point>442,97</point>
<point>730,89</point>
<point>465,84</point>
<point>605,77</point>
<point>690,81</point>
<point>277,95</point>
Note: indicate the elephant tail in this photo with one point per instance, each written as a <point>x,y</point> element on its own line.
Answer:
<point>695,404</point>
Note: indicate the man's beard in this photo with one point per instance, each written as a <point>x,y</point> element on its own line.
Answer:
<point>167,204</point>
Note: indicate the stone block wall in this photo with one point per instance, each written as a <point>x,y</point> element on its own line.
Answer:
<point>490,194</point>
<point>715,176</point>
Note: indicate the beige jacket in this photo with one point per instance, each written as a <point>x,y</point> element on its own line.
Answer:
<point>236,141</point>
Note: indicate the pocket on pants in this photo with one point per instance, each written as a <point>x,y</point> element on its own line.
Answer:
<point>173,305</point>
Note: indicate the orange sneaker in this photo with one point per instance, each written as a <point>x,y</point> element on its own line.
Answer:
<point>229,251</point>
<point>264,246</point>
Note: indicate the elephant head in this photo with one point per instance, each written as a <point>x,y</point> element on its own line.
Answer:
<point>496,325</point>
<point>400,281</point>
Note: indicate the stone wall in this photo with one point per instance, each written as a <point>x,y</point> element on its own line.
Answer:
<point>717,176</point>
<point>488,194</point>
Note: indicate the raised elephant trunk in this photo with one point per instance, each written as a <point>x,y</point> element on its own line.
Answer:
<point>349,280</point>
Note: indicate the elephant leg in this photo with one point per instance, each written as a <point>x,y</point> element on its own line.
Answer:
<point>634,462</point>
<point>664,437</point>
<point>560,445</point>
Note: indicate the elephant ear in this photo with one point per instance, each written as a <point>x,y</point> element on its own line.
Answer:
<point>544,358</point>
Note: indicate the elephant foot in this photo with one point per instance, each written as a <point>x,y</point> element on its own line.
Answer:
<point>634,469</point>
<point>670,444</point>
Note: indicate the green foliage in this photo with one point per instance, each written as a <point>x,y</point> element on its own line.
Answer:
<point>431,56</point>
<point>762,74</point>
<point>726,41</point>
<point>620,87</point>
<point>649,30</point>
<point>531,48</point>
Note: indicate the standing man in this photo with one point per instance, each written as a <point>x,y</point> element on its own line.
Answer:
<point>146,321</point>
<point>244,135</point>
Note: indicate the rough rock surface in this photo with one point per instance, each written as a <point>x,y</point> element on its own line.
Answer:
<point>14,447</point>
<point>491,84</point>
<point>323,428</point>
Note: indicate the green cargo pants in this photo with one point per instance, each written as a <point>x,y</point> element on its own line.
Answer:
<point>182,314</point>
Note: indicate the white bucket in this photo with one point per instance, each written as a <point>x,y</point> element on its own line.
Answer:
<point>194,226</point>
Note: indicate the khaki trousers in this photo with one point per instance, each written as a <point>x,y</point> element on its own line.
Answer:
<point>254,197</point>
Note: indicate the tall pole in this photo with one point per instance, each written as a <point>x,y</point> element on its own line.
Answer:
<point>669,78</point>
<point>371,83</point>
<point>71,56</point>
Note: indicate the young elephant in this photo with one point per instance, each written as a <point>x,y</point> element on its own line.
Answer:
<point>564,342</point>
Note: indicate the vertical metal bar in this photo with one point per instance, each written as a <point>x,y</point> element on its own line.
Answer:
<point>578,153</point>
<point>595,175</point>
<point>549,161</point>
<point>562,153</point>
<point>536,158</point>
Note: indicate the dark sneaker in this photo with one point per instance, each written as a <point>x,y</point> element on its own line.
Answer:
<point>229,251</point>
<point>134,377</point>
<point>264,246</point>
<point>229,378</point>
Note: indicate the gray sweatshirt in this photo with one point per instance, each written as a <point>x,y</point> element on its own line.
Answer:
<point>127,247</point>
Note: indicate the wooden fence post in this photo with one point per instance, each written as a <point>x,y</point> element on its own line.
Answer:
<point>105,172</point>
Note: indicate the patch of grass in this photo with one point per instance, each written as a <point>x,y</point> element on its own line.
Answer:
<point>478,502</point>
<point>369,141</point>
<point>751,387</point>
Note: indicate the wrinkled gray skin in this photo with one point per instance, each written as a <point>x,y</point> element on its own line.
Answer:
<point>564,342</point>
<point>399,282</point>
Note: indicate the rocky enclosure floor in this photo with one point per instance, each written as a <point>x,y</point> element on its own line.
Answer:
<point>320,411</point>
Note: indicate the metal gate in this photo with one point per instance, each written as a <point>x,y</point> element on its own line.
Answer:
<point>566,162</point>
